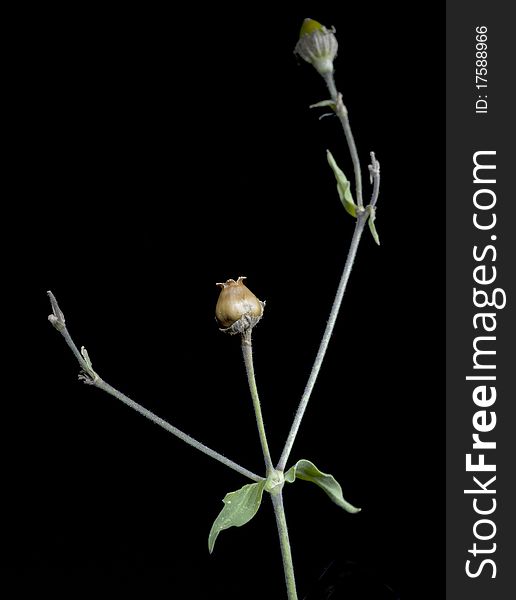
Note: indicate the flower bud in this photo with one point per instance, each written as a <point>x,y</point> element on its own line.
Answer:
<point>238,309</point>
<point>317,45</point>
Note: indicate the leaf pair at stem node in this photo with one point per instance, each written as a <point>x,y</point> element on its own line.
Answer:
<point>242,505</point>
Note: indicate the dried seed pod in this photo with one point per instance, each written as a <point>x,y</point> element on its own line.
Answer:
<point>238,309</point>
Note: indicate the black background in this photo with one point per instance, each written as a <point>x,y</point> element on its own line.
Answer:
<point>163,153</point>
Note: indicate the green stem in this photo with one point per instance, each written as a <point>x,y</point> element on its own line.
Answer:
<point>247,351</point>
<point>359,229</point>
<point>175,431</point>
<point>90,377</point>
<point>342,114</point>
<point>330,83</point>
<point>286,554</point>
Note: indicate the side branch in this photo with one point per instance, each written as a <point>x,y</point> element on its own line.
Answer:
<point>247,351</point>
<point>342,113</point>
<point>90,377</point>
<point>374,174</point>
<point>359,229</point>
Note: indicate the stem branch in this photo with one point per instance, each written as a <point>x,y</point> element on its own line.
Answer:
<point>175,431</point>
<point>286,554</point>
<point>247,351</point>
<point>90,377</point>
<point>342,114</point>
<point>374,171</point>
<point>359,228</point>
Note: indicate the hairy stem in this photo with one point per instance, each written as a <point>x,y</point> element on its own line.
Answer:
<point>330,83</point>
<point>286,554</point>
<point>90,377</point>
<point>175,431</point>
<point>374,171</point>
<point>342,114</point>
<point>359,228</point>
<point>247,351</point>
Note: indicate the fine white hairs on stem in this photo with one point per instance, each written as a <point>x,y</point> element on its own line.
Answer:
<point>90,377</point>
<point>374,178</point>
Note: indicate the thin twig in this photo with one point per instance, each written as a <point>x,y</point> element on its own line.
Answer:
<point>374,173</point>
<point>330,83</point>
<point>92,378</point>
<point>342,113</point>
<point>359,229</point>
<point>247,351</point>
<point>286,554</point>
<point>362,216</point>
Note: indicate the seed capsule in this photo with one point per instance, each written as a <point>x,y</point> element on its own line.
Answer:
<point>237,308</point>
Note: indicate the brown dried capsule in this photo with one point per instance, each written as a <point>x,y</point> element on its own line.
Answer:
<point>237,308</point>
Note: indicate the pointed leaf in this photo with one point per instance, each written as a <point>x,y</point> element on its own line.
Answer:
<point>343,187</point>
<point>323,103</point>
<point>371,220</point>
<point>239,508</point>
<point>304,469</point>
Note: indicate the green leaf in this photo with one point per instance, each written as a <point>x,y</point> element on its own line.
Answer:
<point>307,471</point>
<point>371,220</point>
<point>323,103</point>
<point>239,508</point>
<point>343,187</point>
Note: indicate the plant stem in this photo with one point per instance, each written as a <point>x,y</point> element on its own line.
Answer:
<point>330,83</point>
<point>277,497</point>
<point>90,377</point>
<point>286,554</point>
<point>175,431</point>
<point>342,114</point>
<point>247,351</point>
<point>374,170</point>
<point>359,228</point>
